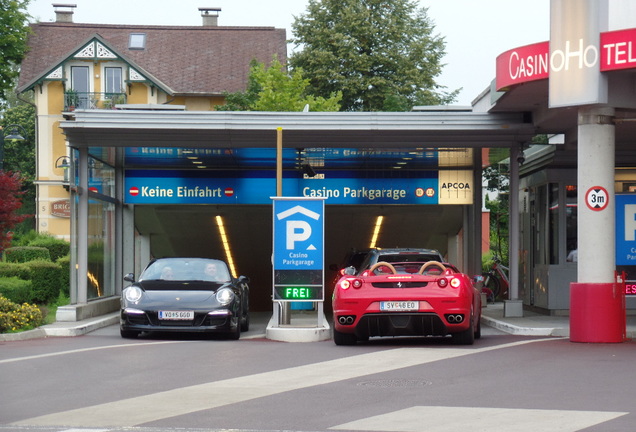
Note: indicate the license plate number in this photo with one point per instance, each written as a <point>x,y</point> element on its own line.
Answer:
<point>176,315</point>
<point>399,305</point>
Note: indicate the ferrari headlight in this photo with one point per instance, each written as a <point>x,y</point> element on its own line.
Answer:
<point>225,296</point>
<point>132,294</point>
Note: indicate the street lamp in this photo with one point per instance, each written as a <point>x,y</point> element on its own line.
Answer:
<point>13,135</point>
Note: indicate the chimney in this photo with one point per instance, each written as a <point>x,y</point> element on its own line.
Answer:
<point>210,16</point>
<point>64,12</point>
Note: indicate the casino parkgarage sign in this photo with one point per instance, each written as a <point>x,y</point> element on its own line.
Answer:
<point>170,187</point>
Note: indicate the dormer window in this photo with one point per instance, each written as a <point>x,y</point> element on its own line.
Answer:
<point>137,41</point>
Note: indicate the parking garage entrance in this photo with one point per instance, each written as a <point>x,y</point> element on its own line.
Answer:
<point>179,178</point>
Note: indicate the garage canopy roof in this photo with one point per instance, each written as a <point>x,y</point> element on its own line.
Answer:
<point>148,127</point>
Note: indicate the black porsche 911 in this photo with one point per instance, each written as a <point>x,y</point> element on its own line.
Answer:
<point>185,295</point>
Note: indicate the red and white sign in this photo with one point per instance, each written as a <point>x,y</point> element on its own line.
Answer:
<point>532,62</point>
<point>134,191</point>
<point>597,198</point>
<point>523,64</point>
<point>229,192</point>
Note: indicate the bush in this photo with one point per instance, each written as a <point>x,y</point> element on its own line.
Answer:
<point>15,317</point>
<point>26,253</point>
<point>57,247</point>
<point>15,289</point>
<point>45,279</point>
<point>18,270</point>
<point>65,275</point>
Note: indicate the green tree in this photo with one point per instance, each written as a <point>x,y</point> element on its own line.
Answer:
<point>382,54</point>
<point>273,89</point>
<point>14,31</point>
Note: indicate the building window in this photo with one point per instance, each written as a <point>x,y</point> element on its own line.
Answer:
<point>113,81</point>
<point>137,41</point>
<point>81,86</point>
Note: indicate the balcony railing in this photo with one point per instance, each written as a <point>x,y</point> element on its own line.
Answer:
<point>92,100</point>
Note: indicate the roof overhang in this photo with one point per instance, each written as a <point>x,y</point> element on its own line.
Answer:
<point>214,129</point>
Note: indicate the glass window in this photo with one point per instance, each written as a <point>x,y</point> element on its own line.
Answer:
<point>101,249</point>
<point>571,221</point>
<point>80,83</point>
<point>137,41</point>
<point>112,81</point>
<point>553,212</point>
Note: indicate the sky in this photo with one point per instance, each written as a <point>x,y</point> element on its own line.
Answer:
<point>476,31</point>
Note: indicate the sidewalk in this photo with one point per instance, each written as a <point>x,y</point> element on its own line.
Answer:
<point>531,324</point>
<point>535,324</point>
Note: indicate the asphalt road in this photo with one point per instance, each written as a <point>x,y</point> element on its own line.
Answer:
<point>100,382</point>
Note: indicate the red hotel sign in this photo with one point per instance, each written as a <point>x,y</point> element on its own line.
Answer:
<point>532,62</point>
<point>61,208</point>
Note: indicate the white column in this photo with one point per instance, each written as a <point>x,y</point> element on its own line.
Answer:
<point>596,160</point>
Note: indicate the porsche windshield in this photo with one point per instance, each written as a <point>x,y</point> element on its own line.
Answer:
<point>182,269</point>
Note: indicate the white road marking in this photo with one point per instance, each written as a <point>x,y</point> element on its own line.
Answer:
<point>60,353</point>
<point>143,409</point>
<point>453,419</point>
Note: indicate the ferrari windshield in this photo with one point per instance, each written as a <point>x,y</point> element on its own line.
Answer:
<point>186,269</point>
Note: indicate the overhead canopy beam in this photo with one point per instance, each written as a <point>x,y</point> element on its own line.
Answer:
<point>122,128</point>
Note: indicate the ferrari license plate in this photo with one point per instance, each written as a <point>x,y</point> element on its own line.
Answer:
<point>176,315</point>
<point>399,306</point>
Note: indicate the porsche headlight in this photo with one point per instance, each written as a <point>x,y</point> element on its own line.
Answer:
<point>132,294</point>
<point>225,296</point>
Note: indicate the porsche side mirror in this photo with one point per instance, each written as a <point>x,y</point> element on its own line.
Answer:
<point>130,277</point>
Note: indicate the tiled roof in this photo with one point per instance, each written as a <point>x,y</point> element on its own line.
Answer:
<point>201,60</point>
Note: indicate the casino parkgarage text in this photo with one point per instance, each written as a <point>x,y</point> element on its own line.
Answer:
<point>348,192</point>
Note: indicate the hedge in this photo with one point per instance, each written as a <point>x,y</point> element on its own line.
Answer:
<point>24,254</point>
<point>19,270</point>
<point>65,274</point>
<point>15,289</point>
<point>57,247</point>
<point>45,279</point>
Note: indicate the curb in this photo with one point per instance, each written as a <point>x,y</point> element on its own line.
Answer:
<point>63,329</point>
<point>525,331</point>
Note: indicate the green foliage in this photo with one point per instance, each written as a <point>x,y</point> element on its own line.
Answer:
<point>382,55</point>
<point>57,248</point>
<point>14,31</point>
<point>19,270</point>
<point>273,89</point>
<point>15,317</point>
<point>45,278</point>
<point>15,289</point>
<point>23,254</point>
<point>65,274</point>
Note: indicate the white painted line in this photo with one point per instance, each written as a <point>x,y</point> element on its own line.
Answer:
<point>185,400</point>
<point>453,419</point>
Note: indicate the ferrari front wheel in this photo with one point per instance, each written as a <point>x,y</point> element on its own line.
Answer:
<point>344,338</point>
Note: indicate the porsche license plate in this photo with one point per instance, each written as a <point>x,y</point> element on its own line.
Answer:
<point>176,315</point>
<point>399,306</point>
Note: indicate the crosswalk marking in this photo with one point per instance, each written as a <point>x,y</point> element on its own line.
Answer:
<point>453,419</point>
<point>143,409</point>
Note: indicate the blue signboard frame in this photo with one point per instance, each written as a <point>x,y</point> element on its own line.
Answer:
<point>298,248</point>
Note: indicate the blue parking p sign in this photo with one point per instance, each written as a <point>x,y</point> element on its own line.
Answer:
<point>298,234</point>
<point>298,249</point>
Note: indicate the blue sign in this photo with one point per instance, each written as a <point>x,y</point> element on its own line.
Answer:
<point>625,229</point>
<point>176,187</point>
<point>298,234</point>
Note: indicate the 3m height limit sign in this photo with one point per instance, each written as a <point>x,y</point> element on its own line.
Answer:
<point>298,249</point>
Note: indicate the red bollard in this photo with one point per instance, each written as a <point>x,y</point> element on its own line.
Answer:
<point>597,312</point>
